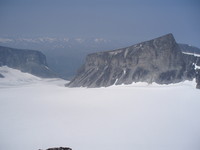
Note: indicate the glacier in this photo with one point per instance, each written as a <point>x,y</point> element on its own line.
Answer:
<point>40,113</point>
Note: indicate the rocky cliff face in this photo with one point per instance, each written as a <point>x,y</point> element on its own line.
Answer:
<point>159,60</point>
<point>30,61</point>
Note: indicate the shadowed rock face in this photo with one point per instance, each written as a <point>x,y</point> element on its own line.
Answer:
<point>159,60</point>
<point>198,79</point>
<point>1,76</point>
<point>30,61</point>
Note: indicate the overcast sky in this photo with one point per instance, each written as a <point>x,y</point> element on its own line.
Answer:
<point>132,20</point>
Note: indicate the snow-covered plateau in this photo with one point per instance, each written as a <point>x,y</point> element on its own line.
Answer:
<point>40,113</point>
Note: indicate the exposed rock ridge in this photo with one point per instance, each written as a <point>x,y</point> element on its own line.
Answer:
<point>30,61</point>
<point>189,49</point>
<point>159,60</point>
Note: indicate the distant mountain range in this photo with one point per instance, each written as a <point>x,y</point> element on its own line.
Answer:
<point>51,43</point>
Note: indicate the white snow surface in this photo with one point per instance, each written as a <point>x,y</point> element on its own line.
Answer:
<point>38,113</point>
<point>193,54</point>
<point>196,67</point>
<point>16,78</point>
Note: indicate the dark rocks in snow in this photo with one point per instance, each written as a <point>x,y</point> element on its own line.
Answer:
<point>198,78</point>
<point>59,148</point>
<point>193,63</point>
<point>159,60</point>
<point>29,61</point>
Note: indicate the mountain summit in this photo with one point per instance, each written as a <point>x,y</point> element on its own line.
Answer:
<point>159,60</point>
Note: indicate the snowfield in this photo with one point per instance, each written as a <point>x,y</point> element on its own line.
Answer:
<point>38,114</point>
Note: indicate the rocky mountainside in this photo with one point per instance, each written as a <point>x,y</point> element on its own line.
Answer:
<point>159,60</point>
<point>66,54</point>
<point>29,61</point>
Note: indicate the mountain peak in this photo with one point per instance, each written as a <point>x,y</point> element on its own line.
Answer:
<point>158,60</point>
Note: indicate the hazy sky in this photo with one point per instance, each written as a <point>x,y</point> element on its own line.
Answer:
<point>132,20</point>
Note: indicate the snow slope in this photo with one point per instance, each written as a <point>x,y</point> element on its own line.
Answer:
<point>16,78</point>
<point>43,114</point>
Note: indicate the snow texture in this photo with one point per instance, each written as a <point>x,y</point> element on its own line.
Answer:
<point>38,114</point>
<point>196,67</point>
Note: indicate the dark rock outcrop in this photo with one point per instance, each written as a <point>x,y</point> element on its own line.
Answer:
<point>198,78</point>
<point>29,61</point>
<point>1,76</point>
<point>159,60</point>
<point>59,148</point>
<point>193,67</point>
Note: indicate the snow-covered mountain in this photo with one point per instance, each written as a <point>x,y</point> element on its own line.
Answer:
<point>38,114</point>
<point>49,43</point>
<point>15,78</point>
<point>11,77</point>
